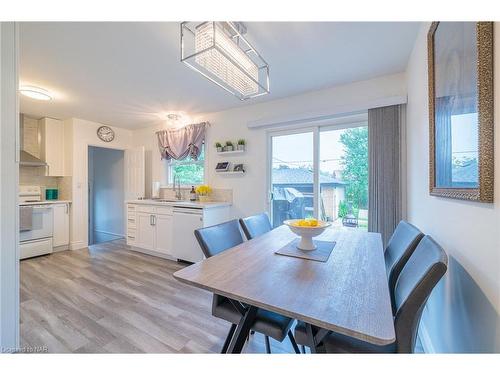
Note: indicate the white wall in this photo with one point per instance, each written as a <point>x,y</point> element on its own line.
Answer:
<point>81,134</point>
<point>250,190</point>
<point>9,220</point>
<point>107,174</point>
<point>462,314</point>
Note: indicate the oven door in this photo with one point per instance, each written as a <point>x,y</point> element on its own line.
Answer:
<point>42,226</point>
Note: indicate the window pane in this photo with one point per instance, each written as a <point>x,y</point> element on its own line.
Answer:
<point>292,177</point>
<point>188,171</point>
<point>343,177</point>
<point>188,174</point>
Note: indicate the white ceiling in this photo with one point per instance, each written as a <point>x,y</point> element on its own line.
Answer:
<point>126,74</point>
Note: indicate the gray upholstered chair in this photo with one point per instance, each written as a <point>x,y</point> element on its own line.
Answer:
<point>254,226</point>
<point>419,276</point>
<point>214,240</point>
<point>401,245</point>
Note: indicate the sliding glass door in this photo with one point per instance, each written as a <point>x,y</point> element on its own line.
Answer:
<point>320,172</point>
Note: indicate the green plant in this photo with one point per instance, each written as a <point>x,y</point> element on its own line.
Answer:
<point>229,143</point>
<point>343,210</point>
<point>218,144</point>
<point>241,142</point>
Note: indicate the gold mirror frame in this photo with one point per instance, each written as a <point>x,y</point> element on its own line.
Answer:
<point>484,191</point>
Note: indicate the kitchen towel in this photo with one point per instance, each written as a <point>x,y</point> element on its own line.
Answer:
<point>25,218</point>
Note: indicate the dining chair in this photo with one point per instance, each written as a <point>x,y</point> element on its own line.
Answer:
<point>401,245</point>
<point>256,225</point>
<point>214,240</point>
<point>419,276</point>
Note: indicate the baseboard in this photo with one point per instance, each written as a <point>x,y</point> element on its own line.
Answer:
<point>109,233</point>
<point>425,339</point>
<point>76,245</point>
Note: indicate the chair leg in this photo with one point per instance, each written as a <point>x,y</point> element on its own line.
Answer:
<point>303,349</point>
<point>294,343</point>
<point>268,345</point>
<point>228,338</point>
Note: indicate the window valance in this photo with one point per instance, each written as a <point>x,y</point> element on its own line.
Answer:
<point>178,144</point>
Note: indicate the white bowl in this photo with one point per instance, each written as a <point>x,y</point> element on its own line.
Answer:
<point>307,233</point>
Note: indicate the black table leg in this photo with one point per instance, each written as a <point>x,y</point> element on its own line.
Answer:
<point>228,338</point>
<point>242,330</point>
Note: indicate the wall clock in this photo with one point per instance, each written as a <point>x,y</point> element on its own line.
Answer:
<point>105,133</point>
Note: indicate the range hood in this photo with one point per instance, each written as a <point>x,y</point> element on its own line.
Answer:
<point>28,160</point>
<point>25,158</point>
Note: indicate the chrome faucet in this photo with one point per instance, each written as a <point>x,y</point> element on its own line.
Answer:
<point>178,194</point>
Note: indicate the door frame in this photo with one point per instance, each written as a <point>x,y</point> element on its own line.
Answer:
<point>316,130</point>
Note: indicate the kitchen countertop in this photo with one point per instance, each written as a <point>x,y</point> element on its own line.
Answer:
<point>43,202</point>
<point>187,204</point>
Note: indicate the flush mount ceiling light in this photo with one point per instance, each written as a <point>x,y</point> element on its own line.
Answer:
<point>220,52</point>
<point>34,92</point>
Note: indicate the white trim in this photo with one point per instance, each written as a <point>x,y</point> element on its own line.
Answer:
<point>109,233</point>
<point>9,181</point>
<point>319,118</point>
<point>77,245</point>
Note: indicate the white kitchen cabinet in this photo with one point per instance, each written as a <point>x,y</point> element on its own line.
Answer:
<point>145,231</point>
<point>163,234</point>
<point>52,146</point>
<point>167,229</point>
<point>60,235</point>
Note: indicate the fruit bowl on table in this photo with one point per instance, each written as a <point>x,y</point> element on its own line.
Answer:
<point>307,229</point>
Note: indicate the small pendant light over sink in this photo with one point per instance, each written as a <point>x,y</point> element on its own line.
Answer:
<point>220,52</point>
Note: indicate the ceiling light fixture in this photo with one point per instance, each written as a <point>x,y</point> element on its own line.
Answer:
<point>34,92</point>
<point>220,52</point>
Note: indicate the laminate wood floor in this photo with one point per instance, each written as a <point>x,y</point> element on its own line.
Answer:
<point>109,299</point>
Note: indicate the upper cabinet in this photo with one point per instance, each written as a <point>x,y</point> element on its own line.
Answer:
<point>52,146</point>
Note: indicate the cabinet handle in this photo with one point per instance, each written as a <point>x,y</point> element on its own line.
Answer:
<point>154,220</point>
<point>67,208</point>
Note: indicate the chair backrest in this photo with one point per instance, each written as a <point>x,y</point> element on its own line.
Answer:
<point>218,238</point>
<point>419,276</point>
<point>401,245</point>
<point>254,226</point>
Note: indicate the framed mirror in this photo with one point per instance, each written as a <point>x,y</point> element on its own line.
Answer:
<point>460,67</point>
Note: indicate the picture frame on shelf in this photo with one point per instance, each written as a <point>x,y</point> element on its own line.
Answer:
<point>239,168</point>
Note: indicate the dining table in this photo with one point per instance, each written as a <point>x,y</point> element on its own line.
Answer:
<point>346,294</point>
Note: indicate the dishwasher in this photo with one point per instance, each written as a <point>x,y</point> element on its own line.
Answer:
<point>185,246</point>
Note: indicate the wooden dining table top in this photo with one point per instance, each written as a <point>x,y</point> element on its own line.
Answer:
<point>348,293</point>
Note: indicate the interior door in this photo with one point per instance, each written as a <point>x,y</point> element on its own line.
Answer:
<point>135,173</point>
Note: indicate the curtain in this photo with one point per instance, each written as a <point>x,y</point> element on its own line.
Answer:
<point>442,138</point>
<point>386,126</point>
<point>178,144</point>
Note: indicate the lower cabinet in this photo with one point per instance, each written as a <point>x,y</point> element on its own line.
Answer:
<point>60,236</point>
<point>163,234</point>
<point>146,232</point>
<point>153,232</point>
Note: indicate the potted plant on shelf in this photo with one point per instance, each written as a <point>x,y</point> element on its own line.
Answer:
<point>241,145</point>
<point>203,192</point>
<point>218,146</point>
<point>229,146</point>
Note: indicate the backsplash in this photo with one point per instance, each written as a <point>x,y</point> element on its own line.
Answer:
<point>36,176</point>
<point>217,195</point>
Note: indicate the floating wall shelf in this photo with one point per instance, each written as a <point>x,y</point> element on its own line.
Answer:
<point>231,152</point>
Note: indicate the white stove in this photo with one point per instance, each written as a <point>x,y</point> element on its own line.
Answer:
<point>36,223</point>
<point>30,193</point>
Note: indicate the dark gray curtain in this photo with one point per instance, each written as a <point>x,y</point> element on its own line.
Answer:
<point>385,182</point>
<point>443,140</point>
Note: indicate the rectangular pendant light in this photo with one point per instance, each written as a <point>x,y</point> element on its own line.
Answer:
<point>219,52</point>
